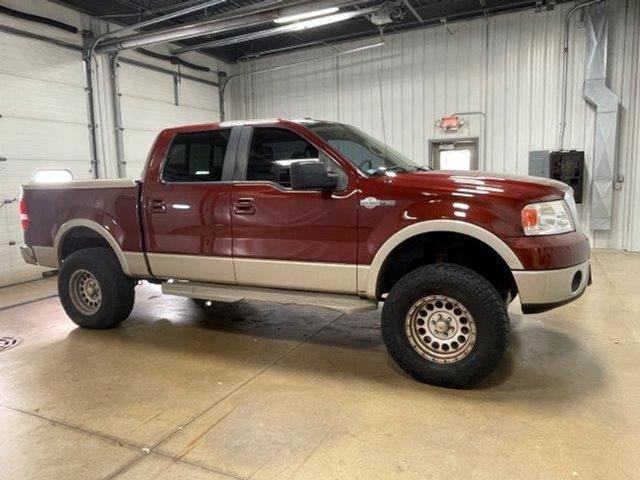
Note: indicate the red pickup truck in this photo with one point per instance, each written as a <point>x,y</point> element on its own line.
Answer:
<point>317,213</point>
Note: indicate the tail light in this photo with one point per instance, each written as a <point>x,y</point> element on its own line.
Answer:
<point>24,214</point>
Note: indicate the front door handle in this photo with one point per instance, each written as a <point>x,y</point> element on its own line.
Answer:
<point>244,206</point>
<point>157,206</point>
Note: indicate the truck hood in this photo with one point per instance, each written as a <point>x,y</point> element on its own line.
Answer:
<point>492,201</point>
<point>484,186</point>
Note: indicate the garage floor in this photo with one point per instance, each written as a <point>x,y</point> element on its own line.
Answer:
<point>263,391</point>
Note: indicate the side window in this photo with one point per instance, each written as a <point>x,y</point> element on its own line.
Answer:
<point>196,157</point>
<point>273,150</point>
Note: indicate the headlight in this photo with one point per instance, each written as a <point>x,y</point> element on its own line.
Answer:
<point>547,218</point>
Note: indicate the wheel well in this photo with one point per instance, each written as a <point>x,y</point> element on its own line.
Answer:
<point>446,247</point>
<point>79,238</point>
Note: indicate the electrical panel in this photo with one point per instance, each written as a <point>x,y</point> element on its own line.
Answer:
<point>566,166</point>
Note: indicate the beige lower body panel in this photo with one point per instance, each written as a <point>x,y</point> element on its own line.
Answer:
<point>192,267</point>
<point>363,278</point>
<point>313,276</point>
<point>46,256</point>
<point>229,293</point>
<point>136,265</point>
<point>539,287</point>
<point>336,278</point>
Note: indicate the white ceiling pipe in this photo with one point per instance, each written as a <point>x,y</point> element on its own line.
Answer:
<point>165,17</point>
<point>151,21</point>
<point>264,12</point>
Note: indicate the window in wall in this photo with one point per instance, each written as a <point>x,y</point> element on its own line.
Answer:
<point>196,157</point>
<point>454,155</point>
<point>273,150</point>
<point>52,176</point>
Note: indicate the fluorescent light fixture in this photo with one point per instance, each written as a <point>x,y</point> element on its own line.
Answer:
<point>305,15</point>
<point>319,22</point>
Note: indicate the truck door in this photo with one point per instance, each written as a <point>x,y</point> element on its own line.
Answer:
<point>285,238</point>
<point>187,219</point>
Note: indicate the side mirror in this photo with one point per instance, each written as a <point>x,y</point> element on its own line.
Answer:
<point>312,175</point>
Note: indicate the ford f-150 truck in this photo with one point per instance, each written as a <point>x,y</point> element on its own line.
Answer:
<point>317,213</point>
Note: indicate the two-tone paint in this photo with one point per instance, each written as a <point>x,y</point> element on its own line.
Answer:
<point>259,233</point>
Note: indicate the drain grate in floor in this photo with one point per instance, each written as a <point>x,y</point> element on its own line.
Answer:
<point>8,342</point>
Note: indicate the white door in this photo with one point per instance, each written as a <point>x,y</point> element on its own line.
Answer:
<point>43,126</point>
<point>148,105</point>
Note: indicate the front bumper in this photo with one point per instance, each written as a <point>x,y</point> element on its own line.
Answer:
<point>542,290</point>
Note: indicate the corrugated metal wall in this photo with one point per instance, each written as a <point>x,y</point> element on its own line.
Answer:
<point>43,121</point>
<point>148,105</point>
<point>508,67</point>
<point>43,126</point>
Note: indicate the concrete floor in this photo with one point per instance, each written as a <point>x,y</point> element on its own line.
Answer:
<point>264,391</point>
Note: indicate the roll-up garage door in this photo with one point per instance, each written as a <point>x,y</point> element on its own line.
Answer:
<point>150,102</point>
<point>43,125</point>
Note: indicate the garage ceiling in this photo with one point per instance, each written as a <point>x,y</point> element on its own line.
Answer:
<point>425,12</point>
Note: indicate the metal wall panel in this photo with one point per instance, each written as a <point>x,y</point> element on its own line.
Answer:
<point>43,126</point>
<point>148,105</point>
<point>508,67</point>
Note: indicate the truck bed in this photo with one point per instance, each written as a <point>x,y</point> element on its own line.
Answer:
<point>110,204</point>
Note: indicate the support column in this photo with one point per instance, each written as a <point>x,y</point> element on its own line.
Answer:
<point>117,115</point>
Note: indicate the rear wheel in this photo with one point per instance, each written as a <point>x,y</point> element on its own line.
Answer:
<point>94,291</point>
<point>446,325</point>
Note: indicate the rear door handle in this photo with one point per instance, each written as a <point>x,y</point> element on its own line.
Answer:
<point>157,206</point>
<point>244,206</point>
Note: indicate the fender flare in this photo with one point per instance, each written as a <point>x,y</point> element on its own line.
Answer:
<point>429,226</point>
<point>66,227</point>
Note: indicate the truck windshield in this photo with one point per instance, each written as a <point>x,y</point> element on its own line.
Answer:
<point>365,152</point>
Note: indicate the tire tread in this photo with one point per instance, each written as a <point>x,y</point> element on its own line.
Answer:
<point>474,286</point>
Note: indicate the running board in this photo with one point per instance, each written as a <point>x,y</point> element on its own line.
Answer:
<point>231,293</point>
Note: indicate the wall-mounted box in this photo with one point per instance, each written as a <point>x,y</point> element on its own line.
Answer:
<point>566,166</point>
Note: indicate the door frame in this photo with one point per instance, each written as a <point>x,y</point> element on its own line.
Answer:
<point>304,275</point>
<point>242,159</point>
<point>435,141</point>
<point>183,265</point>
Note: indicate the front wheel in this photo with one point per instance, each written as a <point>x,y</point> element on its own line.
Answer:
<point>94,291</point>
<point>446,325</point>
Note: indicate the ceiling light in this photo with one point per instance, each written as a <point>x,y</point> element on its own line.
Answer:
<point>303,16</point>
<point>318,22</point>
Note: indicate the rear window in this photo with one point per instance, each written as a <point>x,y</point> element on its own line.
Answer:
<point>196,157</point>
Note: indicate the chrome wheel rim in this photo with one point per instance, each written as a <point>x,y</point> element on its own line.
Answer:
<point>440,329</point>
<point>85,292</point>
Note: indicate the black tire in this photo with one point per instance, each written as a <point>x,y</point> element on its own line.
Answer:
<point>117,292</point>
<point>483,303</point>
